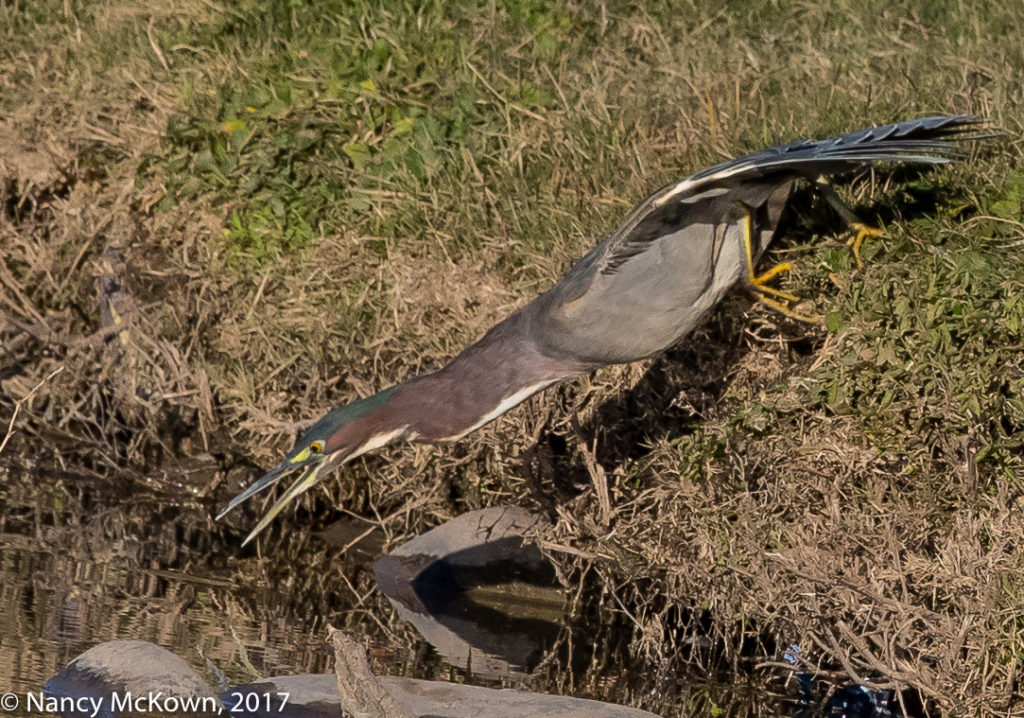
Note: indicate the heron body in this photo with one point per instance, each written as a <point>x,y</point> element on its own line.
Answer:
<point>632,296</point>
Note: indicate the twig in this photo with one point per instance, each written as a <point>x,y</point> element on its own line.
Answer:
<point>597,474</point>
<point>22,400</point>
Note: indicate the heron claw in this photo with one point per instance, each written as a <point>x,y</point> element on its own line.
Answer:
<point>775,298</point>
<point>861,232</point>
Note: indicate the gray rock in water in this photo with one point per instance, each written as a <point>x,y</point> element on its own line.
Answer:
<point>136,679</point>
<point>453,700</point>
<point>485,598</point>
<point>432,699</point>
<point>122,679</point>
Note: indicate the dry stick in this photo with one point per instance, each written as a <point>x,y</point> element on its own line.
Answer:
<point>894,673</point>
<point>22,400</point>
<point>597,473</point>
<point>362,695</point>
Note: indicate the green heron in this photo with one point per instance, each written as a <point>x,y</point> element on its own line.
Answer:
<point>632,296</point>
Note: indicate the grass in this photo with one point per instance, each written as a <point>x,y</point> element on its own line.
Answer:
<point>315,200</point>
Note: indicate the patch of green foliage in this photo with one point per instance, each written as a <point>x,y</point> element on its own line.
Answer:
<point>339,106</point>
<point>298,151</point>
<point>926,336</point>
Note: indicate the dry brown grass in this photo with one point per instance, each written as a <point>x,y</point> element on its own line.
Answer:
<point>754,475</point>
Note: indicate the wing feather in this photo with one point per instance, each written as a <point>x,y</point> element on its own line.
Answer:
<point>928,140</point>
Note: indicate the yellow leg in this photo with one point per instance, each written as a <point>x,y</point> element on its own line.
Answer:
<point>769,295</point>
<point>792,314</point>
<point>756,281</point>
<point>861,232</point>
<point>760,279</point>
<point>775,298</point>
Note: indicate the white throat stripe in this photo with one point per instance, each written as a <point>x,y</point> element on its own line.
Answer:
<point>504,405</point>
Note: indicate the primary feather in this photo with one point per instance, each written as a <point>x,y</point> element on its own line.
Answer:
<point>928,140</point>
<point>674,257</point>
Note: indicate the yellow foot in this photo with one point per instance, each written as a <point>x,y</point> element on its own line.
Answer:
<point>791,313</point>
<point>773,272</point>
<point>861,232</point>
<point>775,298</point>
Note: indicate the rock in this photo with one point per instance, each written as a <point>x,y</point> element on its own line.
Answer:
<point>485,598</point>
<point>368,696</point>
<point>129,678</point>
<point>423,699</point>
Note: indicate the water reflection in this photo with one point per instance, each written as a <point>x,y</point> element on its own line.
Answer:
<point>80,565</point>
<point>78,573</point>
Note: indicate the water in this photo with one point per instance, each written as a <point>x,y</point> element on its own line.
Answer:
<point>142,571</point>
<point>80,565</point>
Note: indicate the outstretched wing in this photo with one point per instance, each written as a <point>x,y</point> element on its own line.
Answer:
<point>929,140</point>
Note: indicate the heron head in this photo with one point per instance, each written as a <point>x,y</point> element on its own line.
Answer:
<point>339,436</point>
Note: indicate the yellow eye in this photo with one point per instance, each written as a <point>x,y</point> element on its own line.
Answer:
<point>316,447</point>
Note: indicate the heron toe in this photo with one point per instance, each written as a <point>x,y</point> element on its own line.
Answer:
<point>861,232</point>
<point>777,299</point>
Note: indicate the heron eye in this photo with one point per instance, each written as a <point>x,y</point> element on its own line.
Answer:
<point>316,447</point>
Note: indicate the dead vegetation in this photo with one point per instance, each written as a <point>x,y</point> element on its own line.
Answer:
<point>216,223</point>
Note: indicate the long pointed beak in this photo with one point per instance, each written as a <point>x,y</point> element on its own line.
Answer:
<point>267,480</point>
<point>308,477</point>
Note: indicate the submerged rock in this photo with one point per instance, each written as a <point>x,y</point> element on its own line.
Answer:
<point>487,599</point>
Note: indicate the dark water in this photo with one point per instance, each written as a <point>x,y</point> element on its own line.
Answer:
<point>80,565</point>
<point>76,569</point>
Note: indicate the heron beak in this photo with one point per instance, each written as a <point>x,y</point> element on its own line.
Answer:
<point>309,476</point>
<point>310,468</point>
<point>267,480</point>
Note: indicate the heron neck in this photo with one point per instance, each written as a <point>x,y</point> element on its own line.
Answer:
<point>483,382</point>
